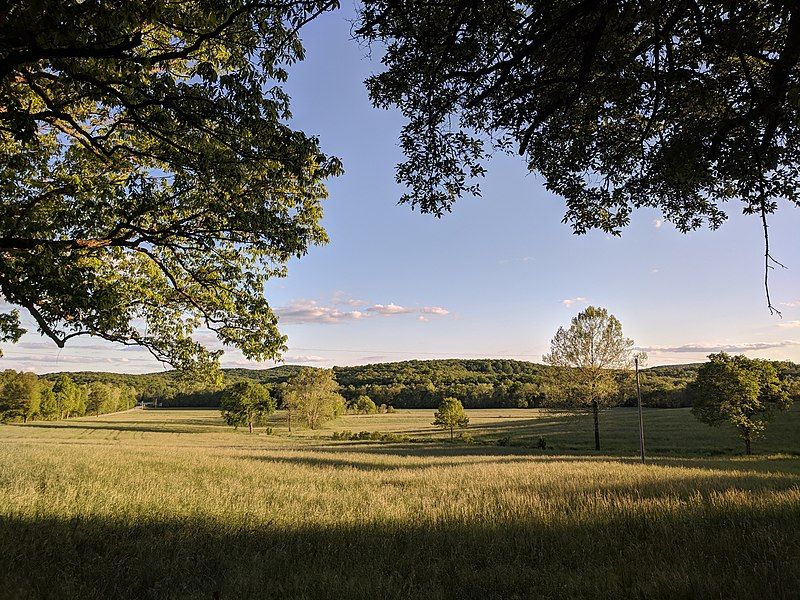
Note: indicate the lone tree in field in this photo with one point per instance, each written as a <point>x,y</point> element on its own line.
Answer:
<point>742,391</point>
<point>589,353</point>
<point>685,107</point>
<point>314,395</point>
<point>450,415</point>
<point>244,403</point>
<point>150,180</point>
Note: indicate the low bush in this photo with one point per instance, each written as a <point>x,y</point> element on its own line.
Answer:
<point>372,436</point>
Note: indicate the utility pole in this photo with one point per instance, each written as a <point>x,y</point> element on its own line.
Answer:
<point>639,404</point>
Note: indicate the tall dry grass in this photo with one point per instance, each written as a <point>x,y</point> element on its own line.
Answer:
<point>182,508</point>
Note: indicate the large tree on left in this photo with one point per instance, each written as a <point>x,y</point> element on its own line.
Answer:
<point>150,183</point>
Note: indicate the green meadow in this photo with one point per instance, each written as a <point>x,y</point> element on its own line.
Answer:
<point>174,504</point>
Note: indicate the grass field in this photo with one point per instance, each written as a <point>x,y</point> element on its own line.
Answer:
<point>173,504</point>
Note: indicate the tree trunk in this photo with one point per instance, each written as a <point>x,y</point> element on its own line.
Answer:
<point>250,426</point>
<point>748,450</point>
<point>451,433</point>
<point>290,421</point>
<point>596,413</point>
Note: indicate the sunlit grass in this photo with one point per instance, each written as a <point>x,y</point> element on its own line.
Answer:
<point>668,431</point>
<point>173,504</point>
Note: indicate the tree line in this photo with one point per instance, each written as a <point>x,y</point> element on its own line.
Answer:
<point>310,394</point>
<point>588,366</point>
<point>25,397</point>
<point>477,383</point>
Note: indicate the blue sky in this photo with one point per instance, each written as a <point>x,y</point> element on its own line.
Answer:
<point>493,279</point>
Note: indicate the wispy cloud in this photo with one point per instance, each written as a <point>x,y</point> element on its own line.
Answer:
<point>343,299</point>
<point>434,310</point>
<point>789,324</point>
<point>709,348</point>
<point>46,363</point>
<point>521,259</point>
<point>654,270</point>
<point>53,359</point>
<point>657,223</point>
<point>792,304</point>
<point>288,359</point>
<point>570,302</point>
<point>374,358</point>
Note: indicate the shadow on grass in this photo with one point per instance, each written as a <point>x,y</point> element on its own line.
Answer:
<point>133,426</point>
<point>717,552</point>
<point>524,427</point>
<point>782,472</point>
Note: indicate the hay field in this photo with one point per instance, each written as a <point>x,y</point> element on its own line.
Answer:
<point>173,504</point>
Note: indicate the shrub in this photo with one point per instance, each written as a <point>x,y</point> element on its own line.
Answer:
<point>365,405</point>
<point>372,436</point>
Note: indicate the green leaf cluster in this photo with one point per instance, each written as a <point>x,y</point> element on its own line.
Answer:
<point>150,182</point>
<point>742,391</point>
<point>450,415</point>
<point>314,395</point>
<point>678,106</point>
<point>245,403</point>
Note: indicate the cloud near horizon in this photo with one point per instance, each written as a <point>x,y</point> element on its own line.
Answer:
<point>304,359</point>
<point>711,348</point>
<point>311,311</point>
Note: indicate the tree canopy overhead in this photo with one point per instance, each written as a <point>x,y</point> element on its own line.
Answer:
<point>679,106</point>
<point>149,181</point>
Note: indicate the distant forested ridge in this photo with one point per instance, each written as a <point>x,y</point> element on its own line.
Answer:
<point>480,383</point>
